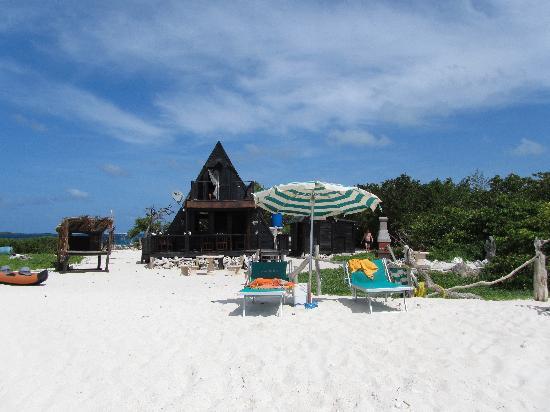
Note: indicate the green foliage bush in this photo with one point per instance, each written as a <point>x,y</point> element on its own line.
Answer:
<point>36,261</point>
<point>502,265</point>
<point>345,258</point>
<point>44,244</point>
<point>333,282</point>
<point>451,219</point>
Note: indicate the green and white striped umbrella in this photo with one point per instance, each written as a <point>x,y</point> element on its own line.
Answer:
<point>324,199</point>
<point>318,200</point>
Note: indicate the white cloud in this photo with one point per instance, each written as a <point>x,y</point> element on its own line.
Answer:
<point>113,170</point>
<point>208,114</point>
<point>103,114</point>
<point>27,89</point>
<point>236,67</point>
<point>357,138</point>
<point>77,194</point>
<point>528,148</point>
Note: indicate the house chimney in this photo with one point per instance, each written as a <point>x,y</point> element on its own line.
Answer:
<point>383,239</point>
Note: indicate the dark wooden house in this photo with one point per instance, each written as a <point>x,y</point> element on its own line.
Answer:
<point>332,235</point>
<point>218,216</point>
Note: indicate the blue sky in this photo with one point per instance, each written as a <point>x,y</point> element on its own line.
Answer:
<point>115,105</point>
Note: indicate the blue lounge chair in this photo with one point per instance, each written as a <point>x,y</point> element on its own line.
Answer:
<point>380,284</point>
<point>266,270</point>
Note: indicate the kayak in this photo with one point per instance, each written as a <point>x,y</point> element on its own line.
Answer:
<point>23,278</point>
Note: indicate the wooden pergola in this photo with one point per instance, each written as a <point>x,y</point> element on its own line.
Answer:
<point>84,236</point>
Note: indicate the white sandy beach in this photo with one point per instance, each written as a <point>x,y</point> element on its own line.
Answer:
<point>138,339</point>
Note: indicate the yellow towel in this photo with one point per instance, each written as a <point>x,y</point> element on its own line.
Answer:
<point>368,267</point>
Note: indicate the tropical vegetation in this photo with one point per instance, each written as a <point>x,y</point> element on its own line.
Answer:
<point>451,219</point>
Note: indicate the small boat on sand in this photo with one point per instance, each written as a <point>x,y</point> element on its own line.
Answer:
<point>22,277</point>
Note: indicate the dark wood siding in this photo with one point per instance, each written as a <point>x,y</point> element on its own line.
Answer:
<point>332,236</point>
<point>226,224</point>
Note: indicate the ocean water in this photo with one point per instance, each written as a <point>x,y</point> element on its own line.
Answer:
<point>120,239</point>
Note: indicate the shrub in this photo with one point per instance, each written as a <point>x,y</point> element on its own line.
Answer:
<point>44,244</point>
<point>451,219</point>
<point>345,258</point>
<point>448,252</point>
<point>502,265</point>
<point>333,282</point>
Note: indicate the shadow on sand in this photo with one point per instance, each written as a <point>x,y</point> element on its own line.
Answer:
<point>541,310</point>
<point>361,305</point>
<point>260,307</point>
<point>83,270</point>
<point>263,306</point>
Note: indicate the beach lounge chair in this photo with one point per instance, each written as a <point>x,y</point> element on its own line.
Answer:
<point>266,270</point>
<point>380,284</point>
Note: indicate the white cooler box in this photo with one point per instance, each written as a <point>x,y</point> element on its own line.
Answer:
<point>300,294</point>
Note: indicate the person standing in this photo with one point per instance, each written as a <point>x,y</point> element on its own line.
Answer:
<point>368,239</point>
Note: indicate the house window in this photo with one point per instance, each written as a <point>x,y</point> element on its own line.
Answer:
<point>202,222</point>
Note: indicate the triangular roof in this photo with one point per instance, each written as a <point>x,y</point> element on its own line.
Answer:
<point>218,155</point>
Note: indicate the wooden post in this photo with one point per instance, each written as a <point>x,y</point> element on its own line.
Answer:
<point>317,270</point>
<point>210,266</point>
<point>110,240</point>
<point>540,276</point>
<point>392,254</point>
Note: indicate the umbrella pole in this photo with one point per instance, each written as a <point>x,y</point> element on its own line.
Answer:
<point>309,298</point>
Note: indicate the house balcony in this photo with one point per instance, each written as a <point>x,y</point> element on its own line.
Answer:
<point>231,196</point>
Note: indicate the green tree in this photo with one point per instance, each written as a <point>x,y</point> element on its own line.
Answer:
<point>454,219</point>
<point>154,221</point>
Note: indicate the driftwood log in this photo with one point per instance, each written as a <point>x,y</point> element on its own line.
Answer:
<point>540,276</point>
<point>540,280</point>
<point>317,270</point>
<point>490,248</point>
<point>294,275</point>
<point>440,290</point>
<point>316,259</point>
<point>451,292</point>
<point>392,254</point>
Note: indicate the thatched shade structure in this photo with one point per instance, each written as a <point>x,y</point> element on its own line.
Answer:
<point>83,236</point>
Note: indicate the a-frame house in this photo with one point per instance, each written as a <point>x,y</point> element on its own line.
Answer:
<point>218,215</point>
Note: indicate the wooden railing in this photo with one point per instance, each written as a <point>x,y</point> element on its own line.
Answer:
<point>204,243</point>
<point>198,243</point>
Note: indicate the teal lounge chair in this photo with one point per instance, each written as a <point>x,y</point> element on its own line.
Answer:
<point>266,270</point>
<point>380,284</point>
